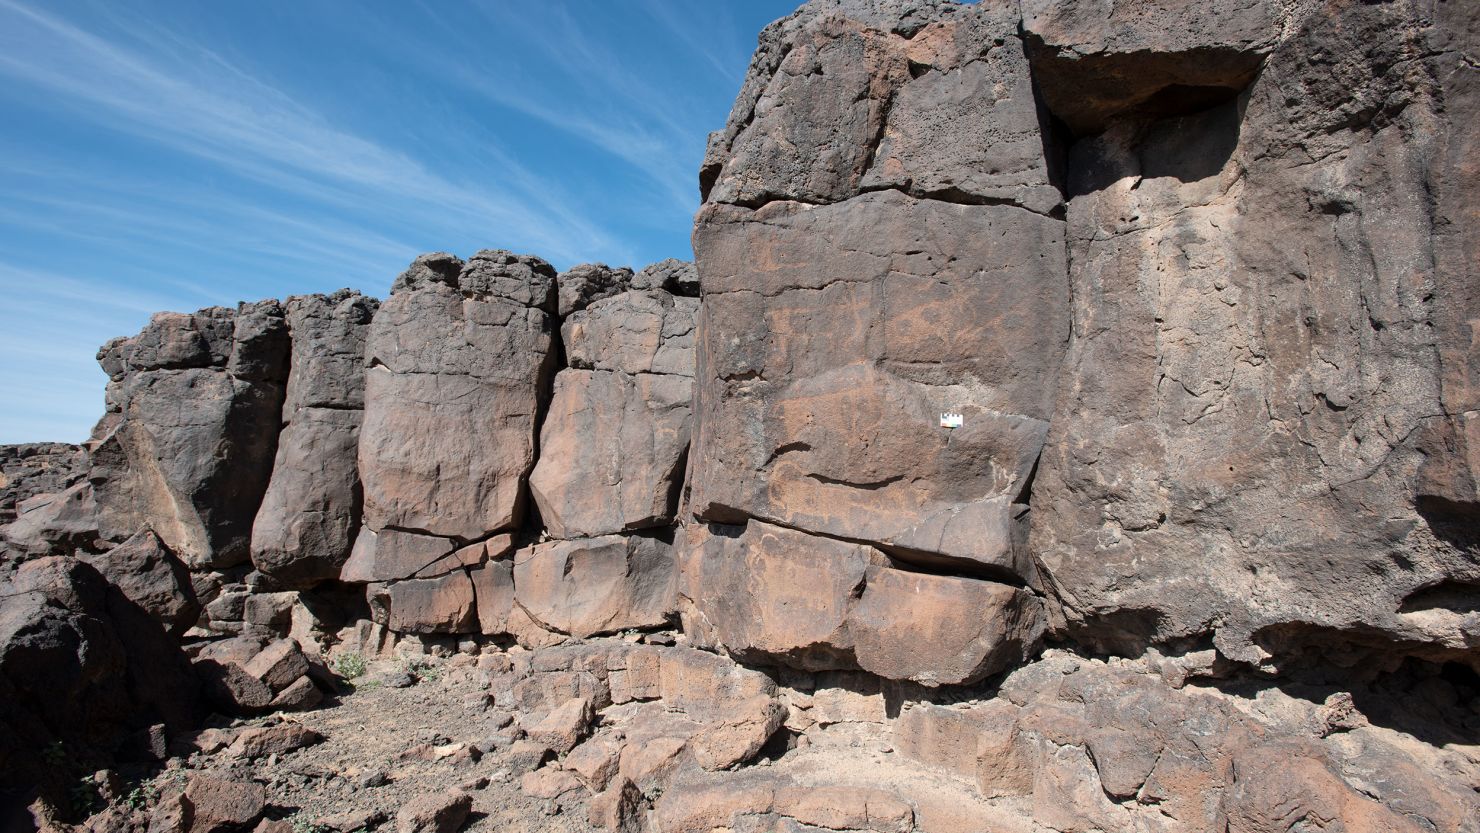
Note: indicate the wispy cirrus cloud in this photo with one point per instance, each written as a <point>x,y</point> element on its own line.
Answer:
<point>642,119</point>
<point>197,102</point>
<point>162,155</point>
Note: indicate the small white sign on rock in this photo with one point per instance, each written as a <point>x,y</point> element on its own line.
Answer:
<point>949,420</point>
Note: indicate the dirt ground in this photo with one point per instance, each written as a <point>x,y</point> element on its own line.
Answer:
<point>385,745</point>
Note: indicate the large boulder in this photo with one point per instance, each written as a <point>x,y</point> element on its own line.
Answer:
<point>306,526</point>
<point>82,670</point>
<point>770,594</point>
<point>934,98</point>
<point>880,247</point>
<point>614,443</point>
<point>611,452</point>
<point>187,452</point>
<point>766,592</point>
<point>307,522</point>
<point>598,585</point>
<point>833,340</point>
<point>444,604</point>
<point>152,578</point>
<point>460,359</point>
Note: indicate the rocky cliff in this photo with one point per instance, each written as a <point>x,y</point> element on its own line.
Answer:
<point>1198,551</point>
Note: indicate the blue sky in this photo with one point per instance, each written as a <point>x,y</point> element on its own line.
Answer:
<point>175,155</point>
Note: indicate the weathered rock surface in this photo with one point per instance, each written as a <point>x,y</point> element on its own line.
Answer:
<point>582,285</point>
<point>309,515</point>
<point>220,805</point>
<point>1147,332</point>
<point>152,578</point>
<point>598,585</point>
<point>1267,298</point>
<point>564,726</point>
<point>31,469</point>
<point>642,331</point>
<point>1094,63</point>
<point>771,593</point>
<point>823,378</point>
<point>83,666</point>
<point>189,454</point>
<point>933,98</point>
<point>459,364</point>
<point>393,554</point>
<point>612,452</point>
<point>1286,415</point>
<point>59,523</point>
<point>440,813</point>
<point>614,443</point>
<point>273,740</point>
<point>677,277</point>
<point>445,604</point>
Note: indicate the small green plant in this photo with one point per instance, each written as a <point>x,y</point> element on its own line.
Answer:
<point>301,824</point>
<point>349,665</point>
<point>141,797</point>
<point>423,670</point>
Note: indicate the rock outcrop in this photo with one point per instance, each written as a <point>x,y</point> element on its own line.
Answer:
<point>764,592</point>
<point>1070,422</point>
<point>873,255</point>
<point>459,360</point>
<point>1266,304</point>
<point>852,298</point>
<point>614,443</point>
<point>311,511</point>
<point>187,448</point>
<point>85,672</point>
<point>880,246</point>
<point>32,469</point>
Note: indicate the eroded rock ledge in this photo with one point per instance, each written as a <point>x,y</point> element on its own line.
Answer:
<point>1199,285</point>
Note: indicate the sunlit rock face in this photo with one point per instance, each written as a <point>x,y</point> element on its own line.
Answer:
<point>311,511</point>
<point>1260,432</point>
<point>1192,284</point>
<point>1069,422</point>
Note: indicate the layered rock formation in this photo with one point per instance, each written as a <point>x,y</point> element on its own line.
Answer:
<point>468,353</point>
<point>1140,334</point>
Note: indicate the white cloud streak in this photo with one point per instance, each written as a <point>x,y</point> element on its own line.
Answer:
<point>218,112</point>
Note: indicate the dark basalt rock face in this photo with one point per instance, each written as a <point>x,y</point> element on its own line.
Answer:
<point>195,403</point>
<point>1264,353</point>
<point>310,513</point>
<point>82,668</point>
<point>1224,364</point>
<point>1092,386</point>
